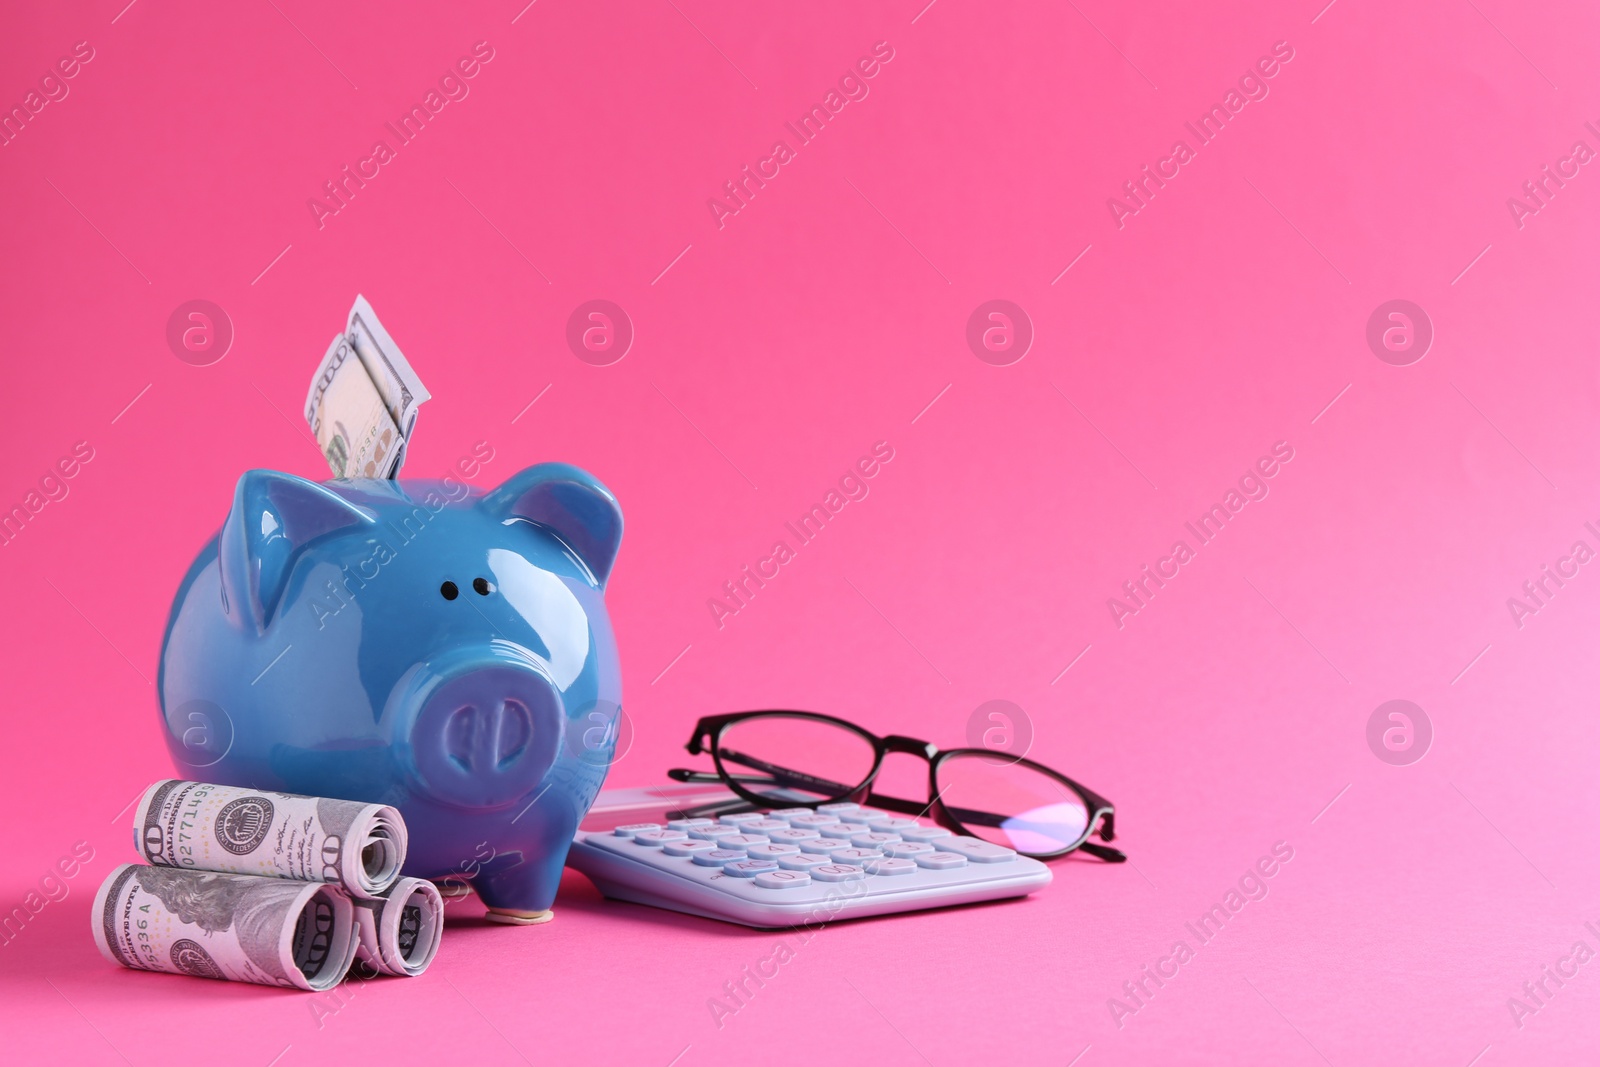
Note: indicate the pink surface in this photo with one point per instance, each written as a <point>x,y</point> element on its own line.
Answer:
<point>1228,313</point>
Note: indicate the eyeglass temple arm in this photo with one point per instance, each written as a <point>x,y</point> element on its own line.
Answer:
<point>684,774</point>
<point>1104,852</point>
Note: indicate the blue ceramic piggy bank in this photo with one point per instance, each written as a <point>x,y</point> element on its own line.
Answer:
<point>421,644</point>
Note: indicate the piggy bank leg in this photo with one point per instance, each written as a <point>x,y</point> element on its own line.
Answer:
<point>520,896</point>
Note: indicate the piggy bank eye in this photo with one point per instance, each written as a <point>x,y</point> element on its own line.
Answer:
<point>448,590</point>
<point>482,586</point>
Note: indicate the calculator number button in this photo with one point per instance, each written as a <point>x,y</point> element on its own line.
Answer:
<point>740,841</point>
<point>823,845</point>
<point>771,852</point>
<point>788,813</point>
<point>717,857</point>
<point>713,833</point>
<point>782,879</point>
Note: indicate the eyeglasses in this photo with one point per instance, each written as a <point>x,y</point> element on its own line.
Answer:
<point>803,759</point>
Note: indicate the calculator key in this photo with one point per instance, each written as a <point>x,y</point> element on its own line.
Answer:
<point>739,817</point>
<point>873,840</point>
<point>869,814</point>
<point>771,852</point>
<point>764,826</point>
<point>792,837</point>
<point>717,857</point>
<point>803,862</point>
<point>788,813</point>
<point>823,845</point>
<point>838,872</point>
<point>713,833</point>
<point>923,833</point>
<point>941,861</point>
<point>891,865</point>
<point>978,851</point>
<point>838,807</point>
<point>848,829</point>
<point>635,828</point>
<point>907,849</point>
<point>740,841</point>
<point>657,838</point>
<point>782,879</point>
<point>689,824</point>
<point>854,855</point>
<point>888,824</point>
<point>814,822</point>
<point>748,868</point>
<point>687,848</point>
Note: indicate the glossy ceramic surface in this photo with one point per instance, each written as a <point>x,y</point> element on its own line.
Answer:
<point>420,644</point>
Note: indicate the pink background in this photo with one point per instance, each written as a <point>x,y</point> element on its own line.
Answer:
<point>1228,715</point>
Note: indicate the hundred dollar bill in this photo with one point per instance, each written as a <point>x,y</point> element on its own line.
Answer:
<point>349,419</point>
<point>278,835</point>
<point>245,929</point>
<point>363,410</point>
<point>402,391</point>
<point>399,933</point>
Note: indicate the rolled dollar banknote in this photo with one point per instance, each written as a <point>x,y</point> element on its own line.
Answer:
<point>399,933</point>
<point>297,935</point>
<point>278,835</point>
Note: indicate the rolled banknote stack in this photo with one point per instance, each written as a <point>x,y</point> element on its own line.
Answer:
<point>274,888</point>
<point>362,405</point>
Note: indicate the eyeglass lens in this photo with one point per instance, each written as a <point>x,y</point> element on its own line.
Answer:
<point>810,759</point>
<point>1009,803</point>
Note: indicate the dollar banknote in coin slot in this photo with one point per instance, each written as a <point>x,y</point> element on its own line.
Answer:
<point>363,401</point>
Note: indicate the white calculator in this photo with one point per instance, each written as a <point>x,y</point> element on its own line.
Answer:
<point>791,866</point>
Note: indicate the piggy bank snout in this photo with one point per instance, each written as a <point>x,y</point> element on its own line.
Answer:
<point>483,735</point>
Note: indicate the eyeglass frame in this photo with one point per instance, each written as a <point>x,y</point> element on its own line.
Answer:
<point>708,732</point>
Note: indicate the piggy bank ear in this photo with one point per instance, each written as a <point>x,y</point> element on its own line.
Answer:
<point>274,517</point>
<point>569,503</point>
